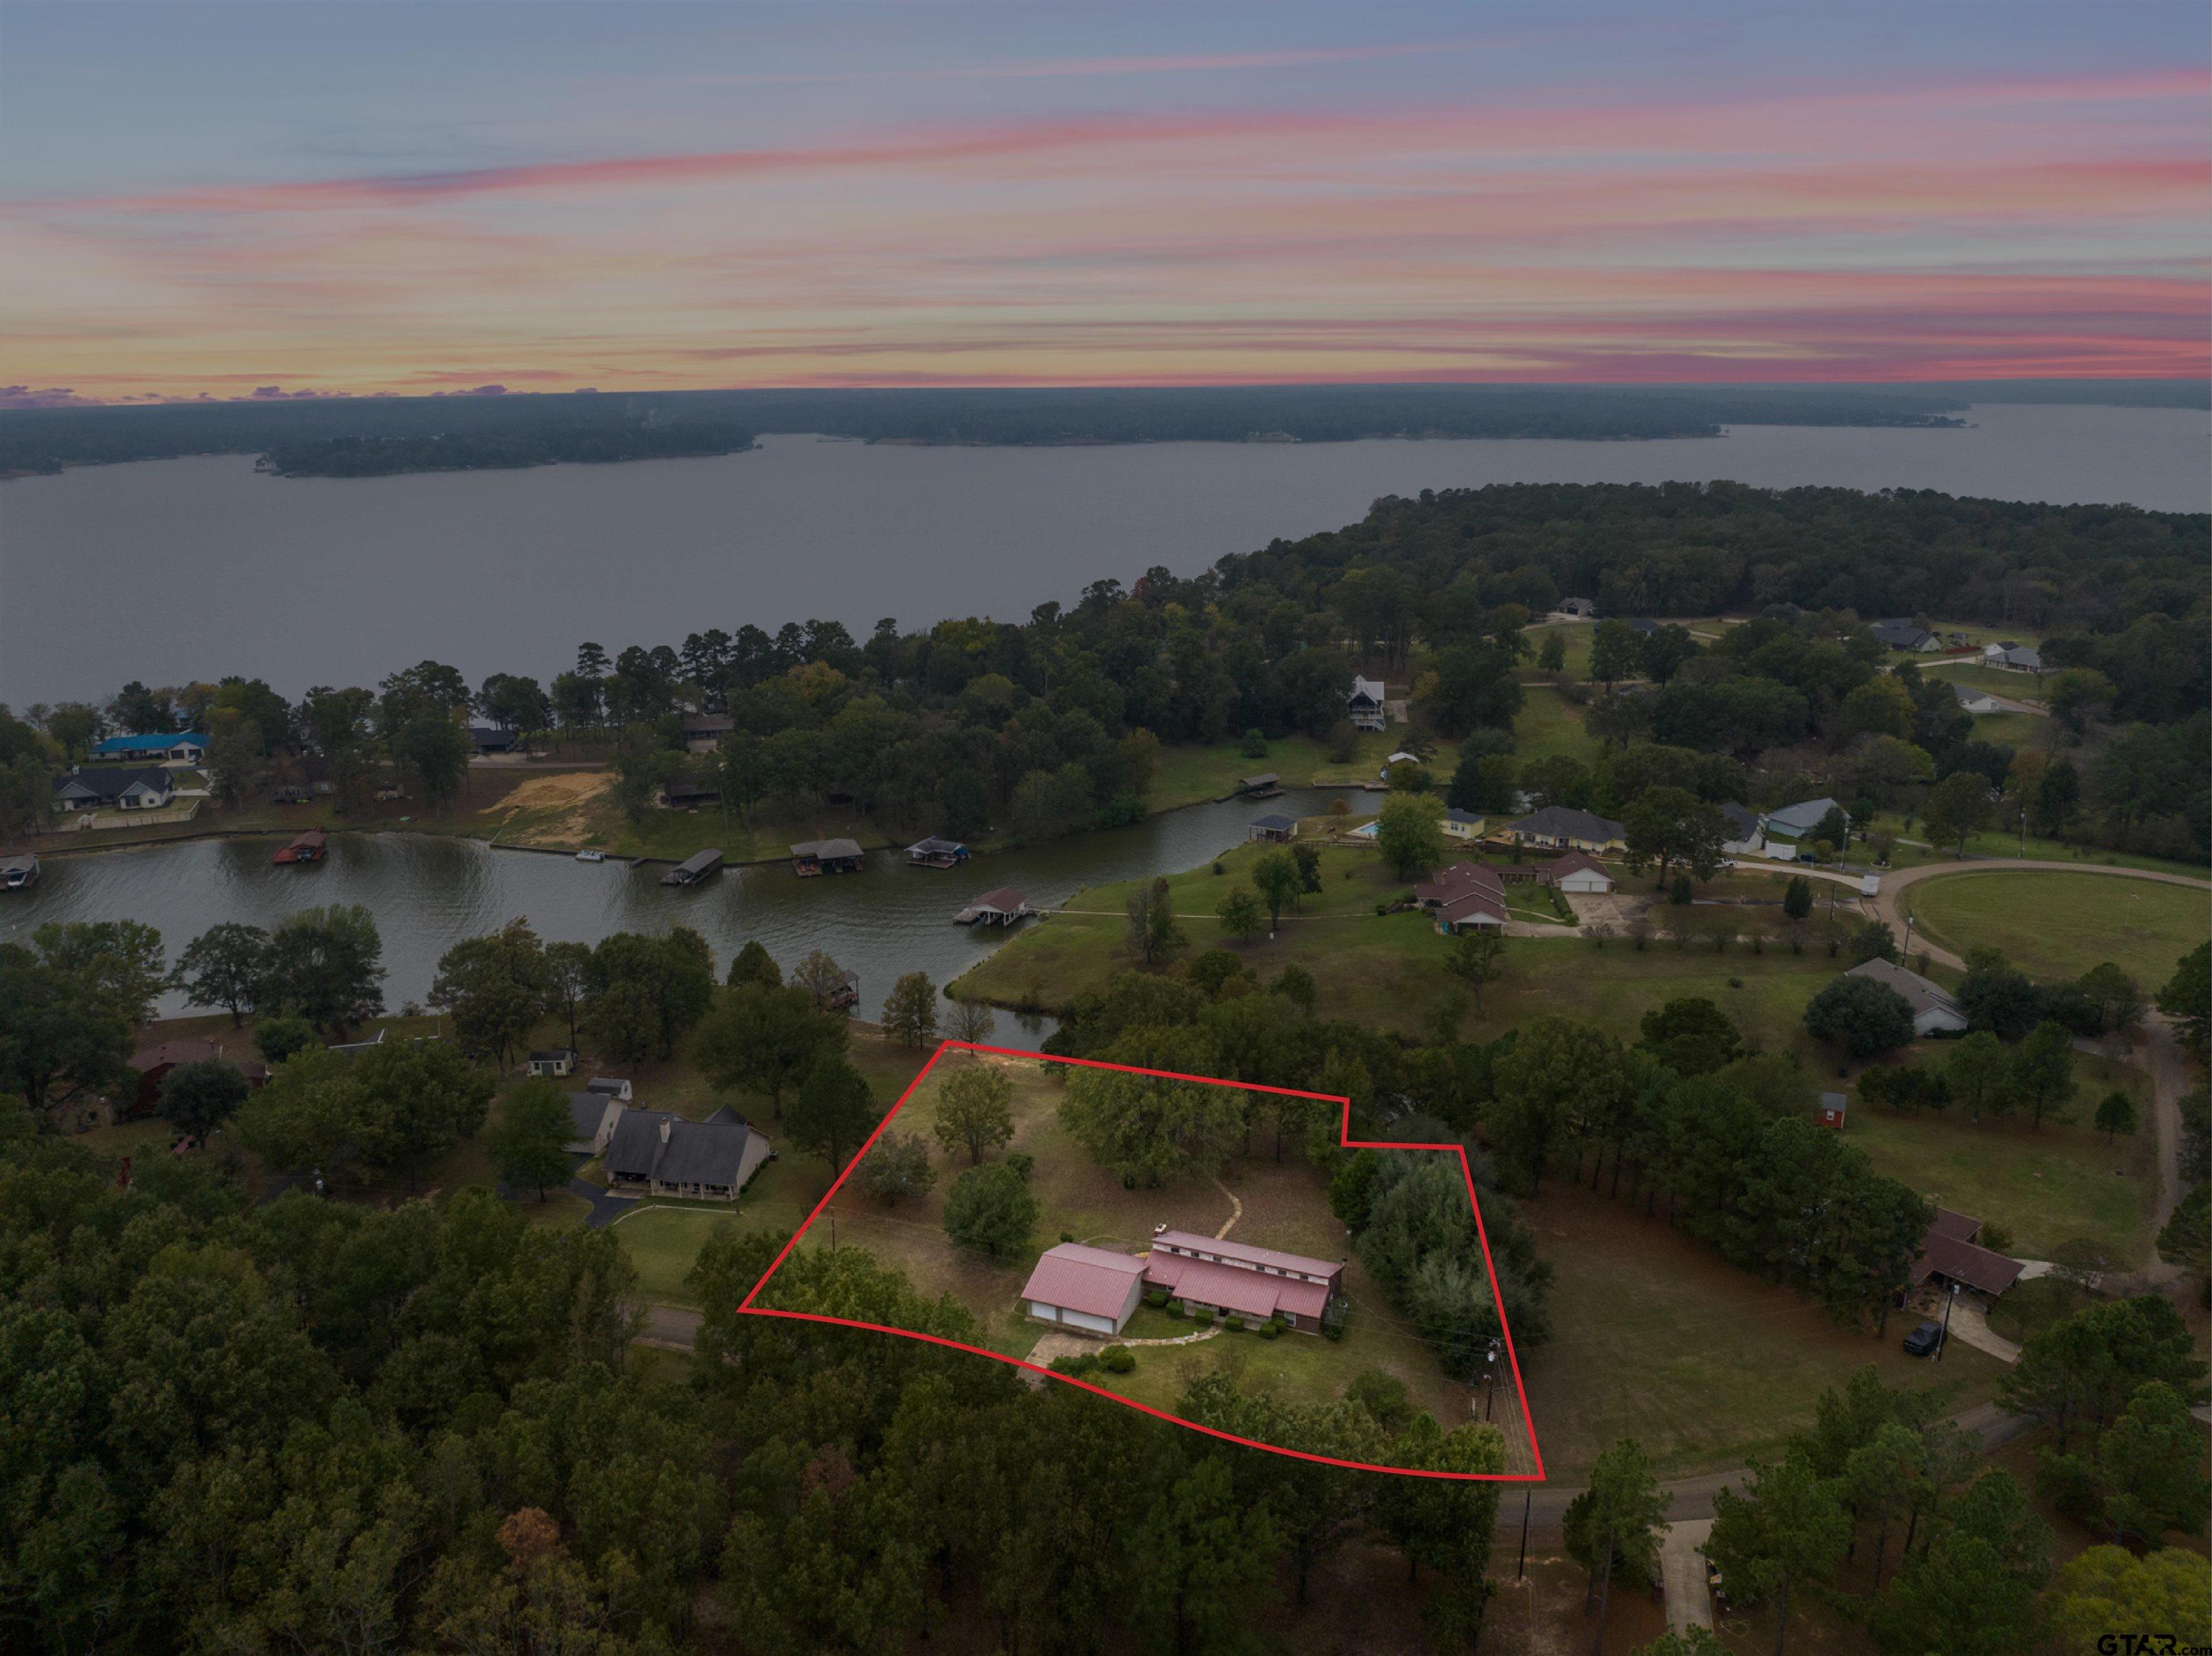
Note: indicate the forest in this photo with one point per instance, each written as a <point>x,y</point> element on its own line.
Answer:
<point>345,436</point>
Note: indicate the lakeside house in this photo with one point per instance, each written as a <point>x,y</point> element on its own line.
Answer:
<point>592,1119</point>
<point>494,738</point>
<point>693,869</point>
<point>936,854</point>
<point>1564,828</point>
<point>703,732</point>
<point>1274,830</point>
<point>1362,704</point>
<point>1462,825</point>
<point>1464,895</point>
<point>174,747</point>
<point>105,787</point>
<point>154,1062</point>
<point>660,1153</point>
<point>1933,1011</point>
<point>813,857</point>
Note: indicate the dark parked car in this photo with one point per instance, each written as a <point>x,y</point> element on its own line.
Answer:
<point>1923,1341</point>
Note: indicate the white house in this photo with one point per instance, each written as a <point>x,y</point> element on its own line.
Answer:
<point>1363,703</point>
<point>1933,1011</point>
<point>2013,658</point>
<point>140,788</point>
<point>1086,1290</point>
<point>1975,701</point>
<point>1746,835</point>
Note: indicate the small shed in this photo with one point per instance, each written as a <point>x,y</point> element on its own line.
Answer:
<point>1085,1290</point>
<point>1832,1106</point>
<point>936,854</point>
<point>554,1061</point>
<point>1002,907</point>
<point>1274,830</point>
<point>813,857</point>
<point>608,1087</point>
<point>693,869</point>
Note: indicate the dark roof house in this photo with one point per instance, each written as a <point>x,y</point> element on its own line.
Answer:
<point>1949,1253</point>
<point>126,788</point>
<point>1568,828</point>
<point>672,1156</point>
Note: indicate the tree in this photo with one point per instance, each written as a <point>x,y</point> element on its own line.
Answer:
<point>1615,653</point>
<point>991,1209</point>
<point>833,1112</point>
<point>975,1111</point>
<point>1980,1075</point>
<point>973,1021</point>
<point>895,1167</point>
<point>278,1038</point>
<point>1239,914</point>
<point>645,992</point>
<point>496,988</point>
<point>2187,999</point>
<point>821,978</point>
<point>1409,834</point>
<point>1552,653</point>
<point>567,981</point>
<point>1670,825</point>
<point>530,1144</point>
<point>2107,1588</point>
<point>1153,933</point>
<point>119,962</point>
<point>1786,1530</point>
<point>326,965</point>
<point>1797,898</point>
<point>2116,1113</point>
<point>437,750</point>
<point>1613,1526</point>
<point>1146,1129</point>
<point>55,1041</point>
<point>2043,1071</point>
<point>1277,877</point>
<point>198,1098</point>
<point>754,964</point>
<point>1691,1036</point>
<point>1475,956</point>
<point>1970,1590</point>
<point>2118,998</point>
<point>765,1040</point>
<point>2145,1475</point>
<point>1211,1550</point>
<point>226,965</point>
<point>391,1108</point>
<point>910,1010</point>
<point>1558,1072</point>
<point>2087,1366</point>
<point>1957,809</point>
<point>1862,1017</point>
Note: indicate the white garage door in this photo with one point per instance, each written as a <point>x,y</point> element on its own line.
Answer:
<point>1085,1321</point>
<point>1049,1313</point>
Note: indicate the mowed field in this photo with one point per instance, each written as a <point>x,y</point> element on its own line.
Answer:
<point>1659,1338</point>
<point>2057,1183</point>
<point>1283,1205</point>
<point>2058,924</point>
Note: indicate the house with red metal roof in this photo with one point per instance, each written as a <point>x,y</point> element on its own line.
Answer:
<point>1085,1290</point>
<point>1259,1284</point>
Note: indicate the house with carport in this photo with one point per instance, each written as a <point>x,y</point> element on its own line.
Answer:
<point>1211,1274</point>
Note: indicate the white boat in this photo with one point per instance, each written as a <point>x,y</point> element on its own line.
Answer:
<point>591,856</point>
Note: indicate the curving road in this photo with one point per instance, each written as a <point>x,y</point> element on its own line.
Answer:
<point>1896,883</point>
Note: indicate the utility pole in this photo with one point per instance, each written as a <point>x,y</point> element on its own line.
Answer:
<point>1950,1300</point>
<point>1527,1502</point>
<point>1489,1377</point>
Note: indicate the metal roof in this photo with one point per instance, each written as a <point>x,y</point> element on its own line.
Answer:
<point>1091,1279</point>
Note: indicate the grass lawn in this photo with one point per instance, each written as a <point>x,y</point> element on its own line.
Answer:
<point>2046,1186</point>
<point>2007,842</point>
<point>1548,723</point>
<point>1285,1204</point>
<point>1706,1365</point>
<point>1579,636</point>
<point>1386,971</point>
<point>1995,681</point>
<point>662,1242</point>
<point>2056,925</point>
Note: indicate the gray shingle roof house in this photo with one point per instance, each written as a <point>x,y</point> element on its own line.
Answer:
<point>1363,703</point>
<point>1902,633</point>
<point>1644,625</point>
<point>1569,829</point>
<point>1796,821</point>
<point>1933,1011</point>
<point>1744,834</point>
<point>2019,657</point>
<point>1974,701</point>
<point>126,788</point>
<point>668,1155</point>
<point>592,1118</point>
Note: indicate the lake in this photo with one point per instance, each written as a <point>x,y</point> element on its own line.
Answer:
<point>428,893</point>
<point>172,570</point>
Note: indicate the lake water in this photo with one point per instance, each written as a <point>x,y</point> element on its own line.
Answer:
<point>172,570</point>
<point>428,893</point>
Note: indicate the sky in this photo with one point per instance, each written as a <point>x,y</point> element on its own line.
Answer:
<point>200,199</point>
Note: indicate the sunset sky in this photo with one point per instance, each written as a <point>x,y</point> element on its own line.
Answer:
<point>207,199</point>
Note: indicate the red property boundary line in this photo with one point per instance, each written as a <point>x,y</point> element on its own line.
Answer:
<point>746,1308</point>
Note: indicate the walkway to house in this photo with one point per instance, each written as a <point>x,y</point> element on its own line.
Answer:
<point>1230,1223</point>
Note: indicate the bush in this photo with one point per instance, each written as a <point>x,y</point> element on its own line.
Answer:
<point>1118,1360</point>
<point>1076,1364</point>
<point>1255,744</point>
<point>1332,1331</point>
<point>1158,1299</point>
<point>1176,1310</point>
<point>1270,1329</point>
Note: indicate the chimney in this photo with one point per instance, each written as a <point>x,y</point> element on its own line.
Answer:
<point>664,1130</point>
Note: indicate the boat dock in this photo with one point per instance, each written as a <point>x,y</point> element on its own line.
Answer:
<point>1003,907</point>
<point>693,869</point>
